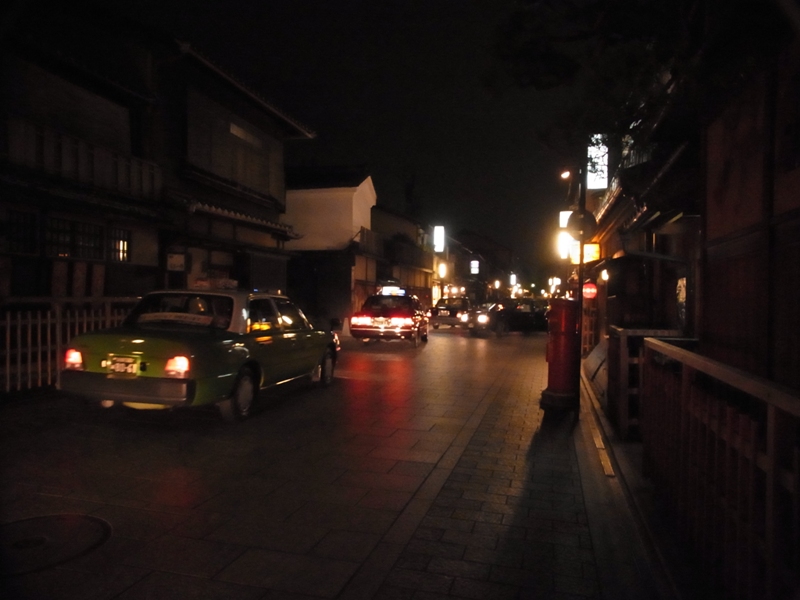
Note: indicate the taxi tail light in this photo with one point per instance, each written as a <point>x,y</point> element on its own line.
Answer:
<point>73,359</point>
<point>402,322</point>
<point>361,320</point>
<point>177,366</point>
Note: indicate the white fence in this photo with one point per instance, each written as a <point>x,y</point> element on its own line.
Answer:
<point>36,335</point>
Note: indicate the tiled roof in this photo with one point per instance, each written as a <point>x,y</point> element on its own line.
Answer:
<point>287,230</point>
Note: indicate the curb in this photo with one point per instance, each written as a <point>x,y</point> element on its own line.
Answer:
<point>634,486</point>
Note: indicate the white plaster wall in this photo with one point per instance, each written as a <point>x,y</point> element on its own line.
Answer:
<point>328,218</point>
<point>363,201</point>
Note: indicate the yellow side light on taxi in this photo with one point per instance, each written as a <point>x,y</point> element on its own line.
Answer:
<point>73,359</point>
<point>177,366</point>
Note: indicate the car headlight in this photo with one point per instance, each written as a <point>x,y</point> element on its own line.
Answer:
<point>177,367</point>
<point>464,317</point>
<point>483,319</point>
<point>73,360</point>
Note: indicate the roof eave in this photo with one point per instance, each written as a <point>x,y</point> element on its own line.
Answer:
<point>301,130</point>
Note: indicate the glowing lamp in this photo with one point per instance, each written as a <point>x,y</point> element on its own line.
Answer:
<point>591,252</point>
<point>589,290</point>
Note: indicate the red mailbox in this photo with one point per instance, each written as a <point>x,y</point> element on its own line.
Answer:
<point>563,356</point>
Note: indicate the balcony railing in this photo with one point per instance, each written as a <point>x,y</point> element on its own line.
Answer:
<point>370,242</point>
<point>722,448</point>
<point>403,253</point>
<point>55,153</point>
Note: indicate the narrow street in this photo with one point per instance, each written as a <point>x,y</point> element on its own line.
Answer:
<point>427,472</point>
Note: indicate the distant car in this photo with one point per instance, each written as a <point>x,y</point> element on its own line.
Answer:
<point>451,311</point>
<point>390,317</point>
<point>198,348</point>
<point>524,314</point>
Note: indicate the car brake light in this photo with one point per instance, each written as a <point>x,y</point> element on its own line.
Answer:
<point>73,359</point>
<point>177,366</point>
<point>361,320</point>
<point>401,321</point>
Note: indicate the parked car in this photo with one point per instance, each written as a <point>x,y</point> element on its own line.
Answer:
<point>199,348</point>
<point>391,316</point>
<point>524,314</point>
<point>451,311</point>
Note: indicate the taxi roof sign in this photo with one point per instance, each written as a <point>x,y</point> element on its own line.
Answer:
<point>392,290</point>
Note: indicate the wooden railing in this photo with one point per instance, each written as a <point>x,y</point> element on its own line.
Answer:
<point>722,448</point>
<point>56,153</point>
<point>34,339</point>
<point>370,242</point>
<point>625,348</point>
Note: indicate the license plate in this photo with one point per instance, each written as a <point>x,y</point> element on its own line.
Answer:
<point>123,364</point>
<point>444,313</point>
<point>380,321</point>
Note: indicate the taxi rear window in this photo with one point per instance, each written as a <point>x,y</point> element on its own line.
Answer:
<point>204,310</point>
<point>387,302</point>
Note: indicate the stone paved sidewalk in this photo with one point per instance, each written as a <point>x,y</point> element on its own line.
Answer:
<point>510,521</point>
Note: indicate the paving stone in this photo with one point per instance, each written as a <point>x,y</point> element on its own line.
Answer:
<point>483,590</point>
<point>502,556</point>
<point>459,568</point>
<point>410,468</point>
<point>390,592</point>
<point>295,573</point>
<point>477,515</point>
<point>419,580</point>
<point>448,550</point>
<point>433,534</point>
<point>187,556</point>
<point>576,585</point>
<point>448,523</point>
<point>260,533</point>
<point>386,500</point>
<point>352,546</point>
<point>464,538</point>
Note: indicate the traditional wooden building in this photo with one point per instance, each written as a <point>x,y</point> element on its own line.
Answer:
<point>130,161</point>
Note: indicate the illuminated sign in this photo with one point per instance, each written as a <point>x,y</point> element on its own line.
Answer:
<point>474,267</point>
<point>597,169</point>
<point>591,252</point>
<point>438,238</point>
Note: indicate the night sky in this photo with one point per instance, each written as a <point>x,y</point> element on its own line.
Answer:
<point>398,86</point>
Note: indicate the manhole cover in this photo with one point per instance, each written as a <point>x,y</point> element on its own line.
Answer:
<point>41,542</point>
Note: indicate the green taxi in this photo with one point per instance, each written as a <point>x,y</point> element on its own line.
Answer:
<point>187,348</point>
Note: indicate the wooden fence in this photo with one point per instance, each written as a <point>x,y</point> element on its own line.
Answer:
<point>36,336</point>
<point>722,448</point>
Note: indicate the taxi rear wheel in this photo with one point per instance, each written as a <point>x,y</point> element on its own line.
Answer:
<point>240,404</point>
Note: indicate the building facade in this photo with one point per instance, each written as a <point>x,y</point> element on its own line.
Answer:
<point>130,162</point>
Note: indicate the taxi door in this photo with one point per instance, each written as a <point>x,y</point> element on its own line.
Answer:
<point>304,345</point>
<point>268,341</point>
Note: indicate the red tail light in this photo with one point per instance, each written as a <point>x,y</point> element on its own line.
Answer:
<point>73,359</point>
<point>401,322</point>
